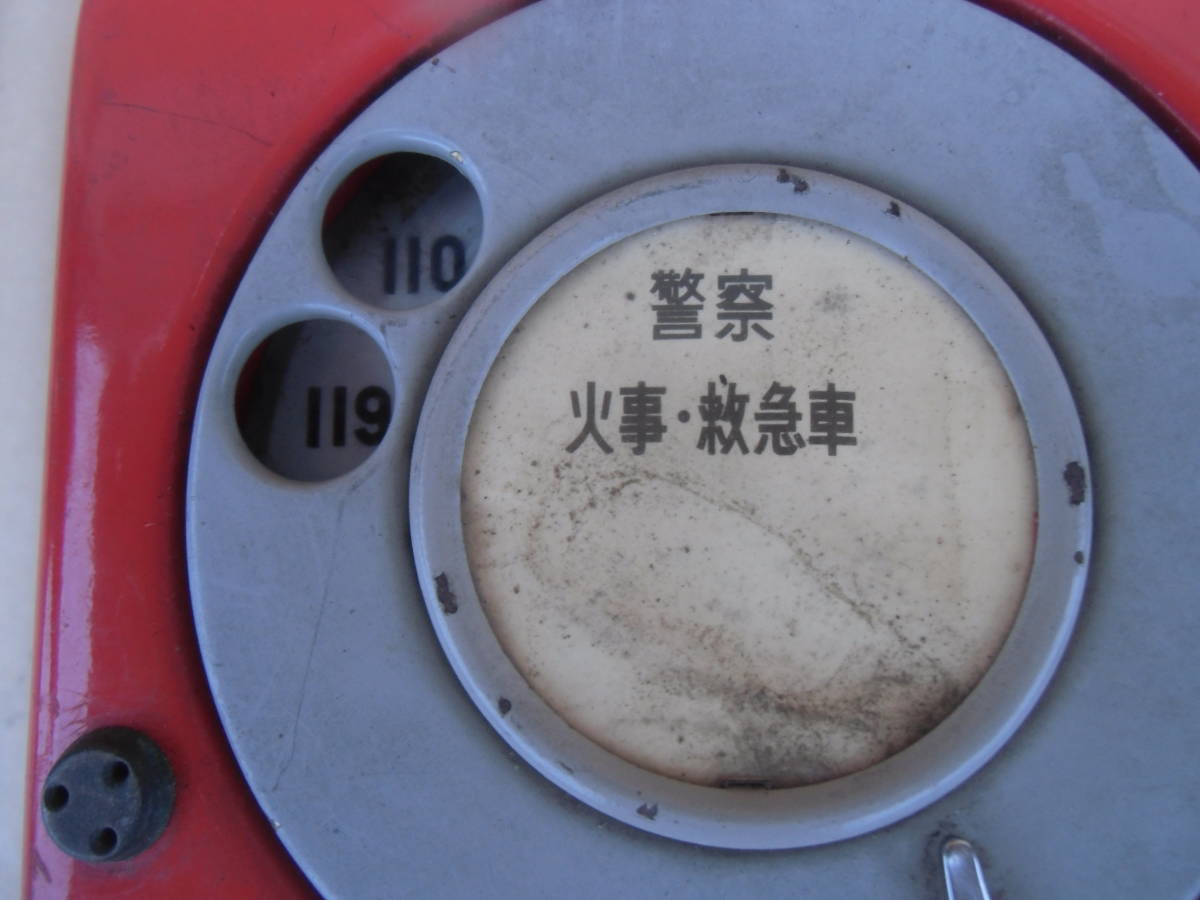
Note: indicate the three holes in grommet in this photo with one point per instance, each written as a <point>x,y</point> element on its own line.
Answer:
<point>103,841</point>
<point>402,230</point>
<point>109,796</point>
<point>55,798</point>
<point>116,774</point>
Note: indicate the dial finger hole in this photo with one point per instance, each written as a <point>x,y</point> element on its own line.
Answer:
<point>314,400</point>
<point>402,230</point>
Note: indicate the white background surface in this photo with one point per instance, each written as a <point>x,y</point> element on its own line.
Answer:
<point>36,41</point>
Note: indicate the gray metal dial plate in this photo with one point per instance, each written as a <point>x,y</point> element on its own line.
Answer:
<point>354,734</point>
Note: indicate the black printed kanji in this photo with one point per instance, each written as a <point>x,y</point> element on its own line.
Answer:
<point>675,319</point>
<point>831,418</point>
<point>589,426</point>
<point>778,421</point>
<point>641,416</point>
<point>742,302</point>
<point>715,410</point>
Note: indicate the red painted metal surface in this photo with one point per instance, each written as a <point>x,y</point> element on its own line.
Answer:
<point>1150,49</point>
<point>189,124</point>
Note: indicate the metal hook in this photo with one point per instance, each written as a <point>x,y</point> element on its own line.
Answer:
<point>964,873</point>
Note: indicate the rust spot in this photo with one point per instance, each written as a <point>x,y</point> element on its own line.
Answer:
<point>1076,480</point>
<point>445,595</point>
<point>505,706</point>
<point>935,880</point>
<point>799,185</point>
<point>893,209</point>
<point>648,811</point>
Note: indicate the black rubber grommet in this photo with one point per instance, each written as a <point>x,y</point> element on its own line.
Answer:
<point>109,796</point>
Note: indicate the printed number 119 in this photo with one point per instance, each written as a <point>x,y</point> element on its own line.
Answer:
<point>372,409</point>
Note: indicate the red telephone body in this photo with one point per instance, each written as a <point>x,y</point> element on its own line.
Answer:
<point>189,124</point>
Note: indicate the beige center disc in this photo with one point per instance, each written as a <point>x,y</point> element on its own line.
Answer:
<point>767,525</point>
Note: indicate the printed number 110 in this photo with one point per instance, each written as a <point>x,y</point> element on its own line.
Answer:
<point>372,408</point>
<point>447,262</point>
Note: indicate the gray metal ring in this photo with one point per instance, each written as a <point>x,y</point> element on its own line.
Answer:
<point>793,817</point>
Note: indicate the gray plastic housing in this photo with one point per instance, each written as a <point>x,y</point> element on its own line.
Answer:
<point>353,732</point>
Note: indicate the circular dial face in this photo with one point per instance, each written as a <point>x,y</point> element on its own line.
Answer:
<point>749,500</point>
